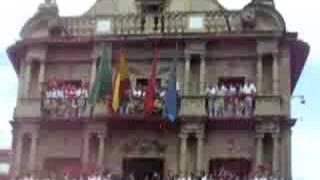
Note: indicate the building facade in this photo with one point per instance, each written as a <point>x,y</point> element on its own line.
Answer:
<point>212,46</point>
<point>5,155</point>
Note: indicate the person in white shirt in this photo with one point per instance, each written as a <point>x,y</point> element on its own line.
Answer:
<point>219,102</point>
<point>249,90</point>
<point>211,93</point>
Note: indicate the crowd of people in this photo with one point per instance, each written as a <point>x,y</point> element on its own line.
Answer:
<point>64,99</point>
<point>220,174</point>
<point>231,100</point>
<point>134,101</point>
<point>67,100</point>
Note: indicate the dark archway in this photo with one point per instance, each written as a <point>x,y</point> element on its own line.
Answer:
<point>142,167</point>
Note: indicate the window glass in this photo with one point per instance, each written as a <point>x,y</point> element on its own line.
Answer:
<point>196,22</point>
<point>103,26</point>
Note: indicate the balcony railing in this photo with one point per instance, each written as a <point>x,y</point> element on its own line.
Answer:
<point>168,22</point>
<point>216,108</point>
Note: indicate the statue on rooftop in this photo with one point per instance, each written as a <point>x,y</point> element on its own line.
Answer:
<point>49,7</point>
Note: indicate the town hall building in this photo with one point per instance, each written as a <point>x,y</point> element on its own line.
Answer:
<point>235,74</point>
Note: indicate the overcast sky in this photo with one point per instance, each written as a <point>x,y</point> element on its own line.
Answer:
<point>300,16</point>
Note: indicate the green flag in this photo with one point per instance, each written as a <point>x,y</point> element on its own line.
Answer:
<point>103,83</point>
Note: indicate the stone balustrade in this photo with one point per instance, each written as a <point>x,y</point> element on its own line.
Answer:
<point>165,23</point>
<point>268,105</point>
<point>28,107</point>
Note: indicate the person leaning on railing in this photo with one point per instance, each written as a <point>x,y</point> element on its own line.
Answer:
<point>249,91</point>
<point>211,93</point>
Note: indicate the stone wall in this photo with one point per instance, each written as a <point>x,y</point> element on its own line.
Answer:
<point>59,144</point>
<point>121,145</point>
<point>230,144</point>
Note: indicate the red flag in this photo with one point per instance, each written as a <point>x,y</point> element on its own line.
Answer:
<point>151,88</point>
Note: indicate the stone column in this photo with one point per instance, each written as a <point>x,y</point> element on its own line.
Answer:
<point>275,74</point>
<point>275,157</point>
<point>27,77</point>
<point>183,153</point>
<point>18,154</point>
<point>187,74</point>
<point>259,153</point>
<point>202,75</point>
<point>21,80</point>
<point>100,161</point>
<point>259,74</point>
<point>200,139</point>
<point>85,150</point>
<point>41,78</point>
<point>33,151</point>
<point>93,72</point>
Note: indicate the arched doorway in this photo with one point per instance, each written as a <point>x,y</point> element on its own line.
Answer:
<point>230,167</point>
<point>142,167</point>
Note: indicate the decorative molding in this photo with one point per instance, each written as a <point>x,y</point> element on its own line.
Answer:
<point>143,146</point>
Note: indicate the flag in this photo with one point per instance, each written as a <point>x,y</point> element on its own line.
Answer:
<point>103,82</point>
<point>121,84</point>
<point>151,88</point>
<point>170,99</point>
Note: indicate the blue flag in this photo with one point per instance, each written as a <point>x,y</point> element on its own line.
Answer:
<point>170,99</point>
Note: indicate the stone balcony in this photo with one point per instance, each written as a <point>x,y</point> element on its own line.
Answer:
<point>193,107</point>
<point>166,23</point>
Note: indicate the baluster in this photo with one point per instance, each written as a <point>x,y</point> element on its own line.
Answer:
<point>166,22</point>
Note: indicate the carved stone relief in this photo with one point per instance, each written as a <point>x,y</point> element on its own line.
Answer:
<point>248,18</point>
<point>143,146</point>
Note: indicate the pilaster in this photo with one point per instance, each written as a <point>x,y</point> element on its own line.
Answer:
<point>186,85</point>
<point>259,153</point>
<point>27,80</point>
<point>100,161</point>
<point>33,150</point>
<point>202,74</point>
<point>259,74</point>
<point>275,73</point>
<point>200,142</point>
<point>183,153</point>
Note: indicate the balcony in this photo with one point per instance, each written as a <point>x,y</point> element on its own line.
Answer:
<point>165,23</point>
<point>217,108</point>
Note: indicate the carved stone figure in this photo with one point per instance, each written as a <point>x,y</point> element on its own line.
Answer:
<point>248,18</point>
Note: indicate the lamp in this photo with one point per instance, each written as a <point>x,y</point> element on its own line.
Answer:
<point>301,97</point>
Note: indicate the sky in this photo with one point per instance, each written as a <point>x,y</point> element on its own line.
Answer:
<point>300,16</point>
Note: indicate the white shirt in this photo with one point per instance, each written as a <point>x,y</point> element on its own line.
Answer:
<point>232,90</point>
<point>78,92</point>
<point>54,93</point>
<point>49,94</point>
<point>60,93</point>
<point>252,88</point>
<point>246,89</point>
<point>204,178</point>
<point>211,91</point>
<point>92,178</point>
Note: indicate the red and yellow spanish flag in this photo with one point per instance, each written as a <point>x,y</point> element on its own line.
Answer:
<point>121,84</point>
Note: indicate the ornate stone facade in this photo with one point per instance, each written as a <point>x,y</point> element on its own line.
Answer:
<point>209,43</point>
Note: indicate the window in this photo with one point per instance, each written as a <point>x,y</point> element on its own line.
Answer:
<point>144,82</point>
<point>196,22</point>
<point>103,26</point>
<point>227,81</point>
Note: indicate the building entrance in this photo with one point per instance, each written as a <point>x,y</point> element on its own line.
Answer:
<point>220,168</point>
<point>60,166</point>
<point>143,167</point>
